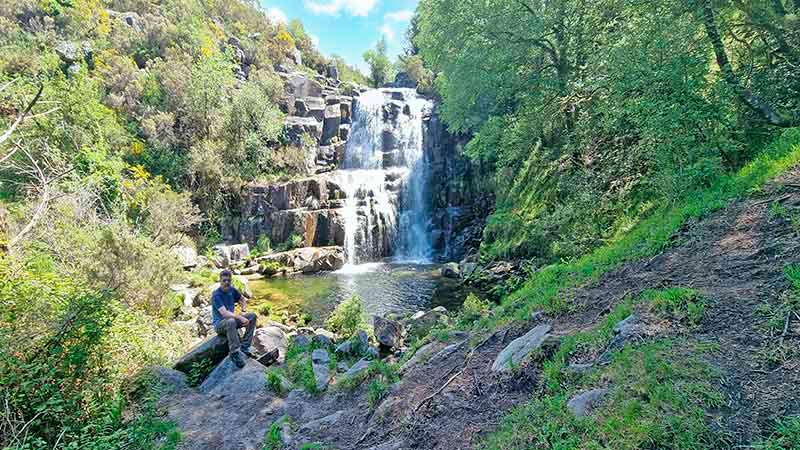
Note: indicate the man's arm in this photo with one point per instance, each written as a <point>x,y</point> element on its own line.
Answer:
<point>223,311</point>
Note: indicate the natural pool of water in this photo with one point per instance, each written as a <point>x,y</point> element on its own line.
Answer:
<point>384,287</point>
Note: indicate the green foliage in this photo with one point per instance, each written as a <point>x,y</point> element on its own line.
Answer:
<point>414,66</point>
<point>263,245</point>
<point>265,309</point>
<point>678,303</point>
<point>543,289</point>
<point>786,435</point>
<point>199,371</point>
<point>348,74</point>
<point>348,317</point>
<point>270,267</point>
<point>275,380</point>
<point>473,309</point>
<point>657,398</point>
<point>588,127</point>
<point>792,273</point>
<point>273,439</point>
<point>294,241</point>
<point>381,70</point>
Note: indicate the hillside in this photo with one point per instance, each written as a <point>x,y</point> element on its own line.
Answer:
<point>546,224</point>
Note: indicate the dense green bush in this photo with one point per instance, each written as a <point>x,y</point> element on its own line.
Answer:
<point>348,318</point>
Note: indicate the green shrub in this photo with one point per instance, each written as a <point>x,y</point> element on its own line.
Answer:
<point>269,268</point>
<point>265,309</point>
<point>786,436</point>
<point>264,245</point>
<point>199,371</point>
<point>473,309</point>
<point>678,303</point>
<point>348,317</point>
<point>275,380</point>
<point>273,439</point>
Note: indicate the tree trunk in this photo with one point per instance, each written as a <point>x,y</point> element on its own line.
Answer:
<point>764,109</point>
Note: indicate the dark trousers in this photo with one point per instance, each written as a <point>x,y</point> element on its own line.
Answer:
<point>229,329</point>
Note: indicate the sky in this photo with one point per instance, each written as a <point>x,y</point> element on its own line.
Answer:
<point>348,27</point>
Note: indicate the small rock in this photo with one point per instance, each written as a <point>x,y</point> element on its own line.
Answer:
<point>389,333</point>
<point>320,356</point>
<point>363,340</point>
<point>345,348</point>
<point>342,367</point>
<point>451,270</point>
<point>520,348</point>
<point>583,404</point>
<point>421,323</point>
<point>301,340</point>
<point>357,368</point>
<point>319,364</point>
<point>580,369</point>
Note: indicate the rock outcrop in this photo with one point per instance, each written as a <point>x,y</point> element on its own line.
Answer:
<point>214,349</point>
<point>309,259</point>
<point>519,349</point>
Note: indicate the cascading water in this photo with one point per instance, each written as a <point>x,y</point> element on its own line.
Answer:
<point>384,178</point>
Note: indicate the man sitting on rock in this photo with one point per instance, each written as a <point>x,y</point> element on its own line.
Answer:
<point>227,322</point>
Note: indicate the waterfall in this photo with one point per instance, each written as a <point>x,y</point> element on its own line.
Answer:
<point>384,178</point>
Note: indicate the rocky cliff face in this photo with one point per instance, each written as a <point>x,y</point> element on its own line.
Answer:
<point>312,207</point>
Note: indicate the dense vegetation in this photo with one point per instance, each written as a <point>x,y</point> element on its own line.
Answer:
<point>126,128</point>
<point>602,112</point>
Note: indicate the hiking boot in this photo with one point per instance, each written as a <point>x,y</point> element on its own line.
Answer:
<point>238,359</point>
<point>248,354</point>
<point>269,357</point>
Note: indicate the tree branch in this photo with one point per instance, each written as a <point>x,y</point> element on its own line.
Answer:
<point>764,109</point>
<point>21,117</point>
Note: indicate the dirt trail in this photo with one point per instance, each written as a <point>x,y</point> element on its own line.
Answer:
<point>735,257</point>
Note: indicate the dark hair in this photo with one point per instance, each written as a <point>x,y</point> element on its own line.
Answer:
<point>226,273</point>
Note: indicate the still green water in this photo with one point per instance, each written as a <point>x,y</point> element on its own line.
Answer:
<point>384,287</point>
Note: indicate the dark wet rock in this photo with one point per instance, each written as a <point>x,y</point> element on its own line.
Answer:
<point>519,349</point>
<point>301,340</point>
<point>389,333</point>
<point>582,404</point>
<point>214,349</point>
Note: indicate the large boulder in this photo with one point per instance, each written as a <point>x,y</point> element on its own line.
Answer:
<point>519,349</point>
<point>226,378</point>
<point>269,338</point>
<point>214,349</point>
<point>420,324</point>
<point>389,333</point>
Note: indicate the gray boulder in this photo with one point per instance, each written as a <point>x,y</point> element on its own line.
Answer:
<point>170,379</point>
<point>68,52</point>
<point>301,340</point>
<point>319,363</point>
<point>582,404</point>
<point>204,322</point>
<point>519,349</point>
<point>451,270</point>
<point>421,323</point>
<point>214,349</point>
<point>357,368</point>
<point>269,338</point>
<point>389,333</point>
<point>227,378</point>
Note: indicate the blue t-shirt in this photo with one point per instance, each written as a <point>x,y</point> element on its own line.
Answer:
<point>221,298</point>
